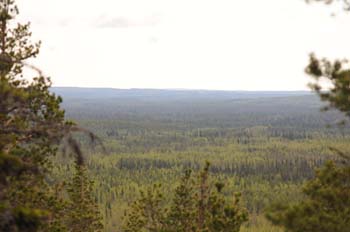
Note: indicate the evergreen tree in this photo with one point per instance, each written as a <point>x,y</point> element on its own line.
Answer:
<point>83,213</point>
<point>214,213</point>
<point>326,206</point>
<point>182,214</point>
<point>197,207</point>
<point>147,213</point>
<point>32,125</point>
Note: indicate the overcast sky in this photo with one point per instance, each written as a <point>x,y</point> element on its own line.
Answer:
<point>192,44</point>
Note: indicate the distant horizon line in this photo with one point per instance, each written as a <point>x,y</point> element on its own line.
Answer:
<point>179,89</point>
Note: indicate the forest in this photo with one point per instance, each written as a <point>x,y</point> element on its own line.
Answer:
<point>169,160</point>
<point>262,144</point>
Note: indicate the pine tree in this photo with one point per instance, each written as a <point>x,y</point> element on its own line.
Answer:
<point>147,213</point>
<point>32,125</point>
<point>326,206</point>
<point>182,213</point>
<point>83,213</point>
<point>197,206</point>
<point>215,213</point>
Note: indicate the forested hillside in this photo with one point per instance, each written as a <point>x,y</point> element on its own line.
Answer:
<point>169,160</point>
<point>262,144</point>
<point>187,110</point>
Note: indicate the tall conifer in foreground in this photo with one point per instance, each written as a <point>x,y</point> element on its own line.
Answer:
<point>32,125</point>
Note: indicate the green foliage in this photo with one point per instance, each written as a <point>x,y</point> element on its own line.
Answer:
<point>83,213</point>
<point>27,219</point>
<point>147,213</point>
<point>264,147</point>
<point>197,207</point>
<point>339,77</point>
<point>182,213</point>
<point>32,125</point>
<point>263,168</point>
<point>326,207</point>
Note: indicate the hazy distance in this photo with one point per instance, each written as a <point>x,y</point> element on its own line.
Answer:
<point>191,44</point>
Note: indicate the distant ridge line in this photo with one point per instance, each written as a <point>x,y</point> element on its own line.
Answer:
<point>182,89</point>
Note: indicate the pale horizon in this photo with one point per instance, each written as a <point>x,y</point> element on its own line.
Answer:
<point>187,89</point>
<point>193,44</point>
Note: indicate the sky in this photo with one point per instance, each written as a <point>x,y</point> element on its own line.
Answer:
<point>184,44</point>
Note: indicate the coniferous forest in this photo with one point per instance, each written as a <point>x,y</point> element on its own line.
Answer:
<point>147,160</point>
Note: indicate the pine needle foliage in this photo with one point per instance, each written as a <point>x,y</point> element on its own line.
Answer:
<point>326,206</point>
<point>32,126</point>
<point>147,213</point>
<point>83,213</point>
<point>197,206</point>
